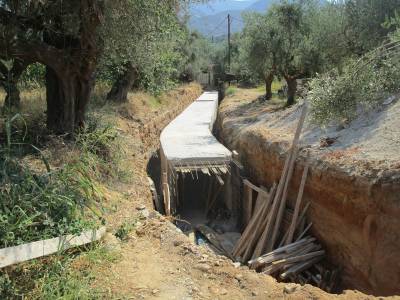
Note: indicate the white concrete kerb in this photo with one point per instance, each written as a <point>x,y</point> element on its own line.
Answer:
<point>188,139</point>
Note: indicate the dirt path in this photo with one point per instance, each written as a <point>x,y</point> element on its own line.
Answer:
<point>158,261</point>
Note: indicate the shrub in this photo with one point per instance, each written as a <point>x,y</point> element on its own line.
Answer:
<point>364,85</point>
<point>230,91</point>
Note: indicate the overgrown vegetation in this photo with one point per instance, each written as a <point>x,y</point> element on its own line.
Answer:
<point>297,39</point>
<point>365,84</point>
<point>40,201</point>
<point>59,277</point>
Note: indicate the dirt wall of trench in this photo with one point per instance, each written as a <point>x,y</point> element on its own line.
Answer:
<point>356,218</point>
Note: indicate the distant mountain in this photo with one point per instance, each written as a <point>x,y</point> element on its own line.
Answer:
<point>210,18</point>
<point>261,5</point>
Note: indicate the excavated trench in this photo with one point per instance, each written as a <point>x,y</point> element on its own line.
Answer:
<point>355,215</point>
<point>356,218</point>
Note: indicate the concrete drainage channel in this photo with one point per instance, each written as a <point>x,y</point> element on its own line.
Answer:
<point>202,186</point>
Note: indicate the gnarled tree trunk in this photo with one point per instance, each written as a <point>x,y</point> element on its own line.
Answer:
<point>292,89</point>
<point>121,87</point>
<point>67,97</point>
<point>13,98</point>
<point>268,86</point>
<point>9,80</point>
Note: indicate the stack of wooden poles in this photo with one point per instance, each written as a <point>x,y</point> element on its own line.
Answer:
<point>265,244</point>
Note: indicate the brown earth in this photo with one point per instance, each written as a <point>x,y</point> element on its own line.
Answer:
<point>157,261</point>
<point>160,262</point>
<point>355,206</point>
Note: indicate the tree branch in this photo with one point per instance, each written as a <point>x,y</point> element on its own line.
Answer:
<point>8,17</point>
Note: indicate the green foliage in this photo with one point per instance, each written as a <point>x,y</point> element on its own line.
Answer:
<point>145,34</point>
<point>258,47</point>
<point>230,91</point>
<point>197,53</point>
<point>364,85</point>
<point>123,231</point>
<point>56,278</point>
<point>40,204</point>
<point>33,76</point>
<point>102,150</point>
<point>362,26</point>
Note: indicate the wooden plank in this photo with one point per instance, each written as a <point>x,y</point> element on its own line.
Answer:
<point>261,198</point>
<point>213,238</point>
<point>299,221</point>
<point>305,231</point>
<point>262,260</point>
<point>239,248</point>
<point>220,181</point>
<point>298,204</point>
<point>300,267</point>
<point>167,199</point>
<point>259,229</point>
<point>247,204</point>
<point>252,186</point>
<point>13,255</point>
<point>261,245</point>
<point>157,201</point>
<point>293,156</point>
<point>298,258</point>
<point>255,225</point>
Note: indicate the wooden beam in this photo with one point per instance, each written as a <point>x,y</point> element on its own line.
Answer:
<point>298,204</point>
<point>13,255</point>
<point>247,204</point>
<point>298,258</point>
<point>293,156</point>
<point>254,187</point>
<point>253,225</point>
<point>300,267</point>
<point>305,231</point>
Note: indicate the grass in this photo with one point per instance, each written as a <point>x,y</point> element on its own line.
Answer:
<point>55,186</point>
<point>276,86</point>
<point>230,91</point>
<point>50,187</point>
<point>154,102</point>
<point>125,229</point>
<point>58,277</point>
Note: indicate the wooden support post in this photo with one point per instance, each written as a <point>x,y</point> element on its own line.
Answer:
<point>293,155</point>
<point>298,204</point>
<point>165,183</point>
<point>166,193</point>
<point>247,204</point>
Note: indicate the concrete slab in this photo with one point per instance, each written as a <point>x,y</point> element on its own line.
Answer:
<point>188,139</point>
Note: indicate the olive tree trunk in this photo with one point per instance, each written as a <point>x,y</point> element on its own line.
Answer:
<point>292,89</point>
<point>9,80</point>
<point>67,98</point>
<point>268,86</point>
<point>121,87</point>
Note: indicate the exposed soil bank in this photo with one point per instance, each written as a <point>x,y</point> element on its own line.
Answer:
<point>355,212</point>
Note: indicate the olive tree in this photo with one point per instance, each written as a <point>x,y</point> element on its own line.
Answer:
<point>139,36</point>
<point>296,55</point>
<point>69,38</point>
<point>259,45</point>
